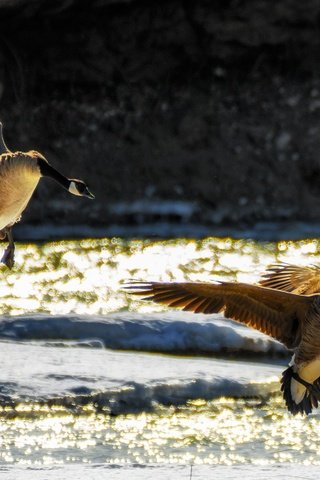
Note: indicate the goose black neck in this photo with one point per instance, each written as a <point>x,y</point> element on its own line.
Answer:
<point>47,170</point>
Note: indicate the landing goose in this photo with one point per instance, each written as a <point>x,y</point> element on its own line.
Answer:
<point>285,306</point>
<point>20,173</point>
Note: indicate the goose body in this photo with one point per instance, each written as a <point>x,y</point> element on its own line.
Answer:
<point>19,177</point>
<point>279,307</point>
<point>20,173</point>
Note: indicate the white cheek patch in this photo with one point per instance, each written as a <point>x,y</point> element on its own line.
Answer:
<point>73,189</point>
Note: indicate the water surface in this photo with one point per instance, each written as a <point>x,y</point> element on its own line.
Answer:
<point>80,400</point>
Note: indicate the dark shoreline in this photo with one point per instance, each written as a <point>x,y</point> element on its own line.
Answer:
<point>262,232</point>
<point>213,103</point>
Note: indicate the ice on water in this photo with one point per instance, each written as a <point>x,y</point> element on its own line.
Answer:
<point>167,332</point>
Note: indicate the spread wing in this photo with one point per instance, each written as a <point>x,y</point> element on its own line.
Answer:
<point>273,312</point>
<point>291,278</point>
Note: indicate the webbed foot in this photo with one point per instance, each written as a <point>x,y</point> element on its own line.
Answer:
<point>8,256</point>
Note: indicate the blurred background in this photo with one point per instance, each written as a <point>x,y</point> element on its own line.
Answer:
<point>201,112</point>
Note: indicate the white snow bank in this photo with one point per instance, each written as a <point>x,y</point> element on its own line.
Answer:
<point>162,472</point>
<point>176,332</point>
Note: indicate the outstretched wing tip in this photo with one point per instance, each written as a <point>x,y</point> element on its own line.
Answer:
<point>139,288</point>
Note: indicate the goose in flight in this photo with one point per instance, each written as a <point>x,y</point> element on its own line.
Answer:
<point>20,173</point>
<point>285,305</point>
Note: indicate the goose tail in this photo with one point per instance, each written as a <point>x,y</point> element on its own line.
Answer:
<point>298,398</point>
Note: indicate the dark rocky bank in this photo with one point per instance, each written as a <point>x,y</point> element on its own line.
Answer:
<point>212,104</point>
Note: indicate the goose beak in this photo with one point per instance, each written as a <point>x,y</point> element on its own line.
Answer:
<point>88,194</point>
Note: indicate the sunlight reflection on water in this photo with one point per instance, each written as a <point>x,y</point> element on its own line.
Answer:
<point>86,276</point>
<point>224,432</point>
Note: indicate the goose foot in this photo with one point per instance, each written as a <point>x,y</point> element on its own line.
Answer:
<point>8,256</point>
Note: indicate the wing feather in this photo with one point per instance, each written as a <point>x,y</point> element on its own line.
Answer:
<point>276,313</point>
<point>292,278</point>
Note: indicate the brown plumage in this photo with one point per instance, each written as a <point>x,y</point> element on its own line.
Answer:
<point>288,317</point>
<point>292,278</point>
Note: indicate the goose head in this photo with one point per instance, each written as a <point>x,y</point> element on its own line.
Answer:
<point>73,185</point>
<point>79,188</point>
